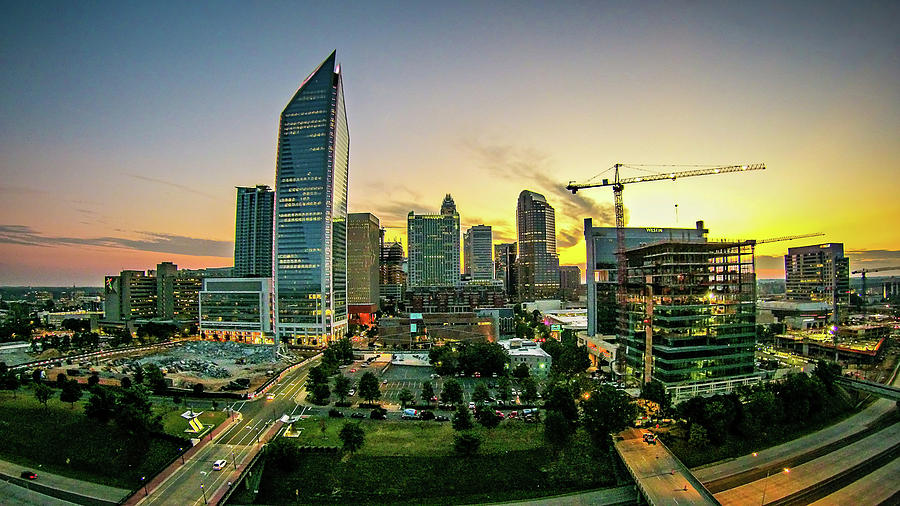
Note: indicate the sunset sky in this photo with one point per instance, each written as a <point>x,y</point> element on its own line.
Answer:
<point>124,127</point>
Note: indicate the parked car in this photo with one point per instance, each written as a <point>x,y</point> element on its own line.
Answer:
<point>471,405</point>
<point>384,382</point>
<point>270,397</point>
<point>333,413</point>
<point>410,414</point>
<point>500,415</point>
<point>352,392</point>
<point>28,475</point>
<point>219,465</point>
<point>513,414</point>
<point>353,370</point>
<point>477,374</point>
<point>357,414</point>
<point>442,418</point>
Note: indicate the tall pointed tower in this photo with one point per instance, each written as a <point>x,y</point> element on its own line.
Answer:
<point>311,176</point>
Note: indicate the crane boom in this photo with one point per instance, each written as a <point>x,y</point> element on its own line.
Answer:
<point>877,269</point>
<point>574,187</point>
<point>788,238</point>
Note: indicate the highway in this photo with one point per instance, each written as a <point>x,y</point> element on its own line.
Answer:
<point>196,481</point>
<point>878,487</point>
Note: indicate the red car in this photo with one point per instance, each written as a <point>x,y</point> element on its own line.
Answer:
<point>28,475</point>
<point>352,370</point>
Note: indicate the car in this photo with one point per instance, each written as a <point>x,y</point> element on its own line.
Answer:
<point>270,397</point>
<point>219,465</point>
<point>501,402</point>
<point>499,414</point>
<point>433,376</point>
<point>477,374</point>
<point>650,438</point>
<point>384,382</point>
<point>471,405</point>
<point>353,370</point>
<point>364,364</point>
<point>357,414</point>
<point>333,413</point>
<point>442,418</point>
<point>28,475</point>
<point>352,392</point>
<point>513,414</point>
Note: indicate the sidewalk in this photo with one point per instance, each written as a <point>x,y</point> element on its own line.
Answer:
<point>139,494</point>
<point>69,488</point>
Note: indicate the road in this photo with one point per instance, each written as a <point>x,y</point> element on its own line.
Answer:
<point>75,486</point>
<point>196,481</point>
<point>782,484</point>
<point>875,488</point>
<point>21,496</point>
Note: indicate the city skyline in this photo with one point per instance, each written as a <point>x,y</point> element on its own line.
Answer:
<point>135,160</point>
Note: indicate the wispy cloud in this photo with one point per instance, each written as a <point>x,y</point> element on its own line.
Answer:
<point>182,187</point>
<point>146,241</point>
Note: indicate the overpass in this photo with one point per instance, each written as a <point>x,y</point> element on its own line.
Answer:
<point>870,387</point>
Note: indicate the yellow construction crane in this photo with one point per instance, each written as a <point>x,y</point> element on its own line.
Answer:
<point>786,238</point>
<point>618,184</point>
<point>866,271</point>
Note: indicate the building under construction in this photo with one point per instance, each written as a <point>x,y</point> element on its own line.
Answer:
<point>694,305</point>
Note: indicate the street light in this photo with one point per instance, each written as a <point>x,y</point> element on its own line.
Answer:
<point>182,456</point>
<point>233,463</point>
<point>766,482</point>
<point>203,490</point>
<point>144,483</point>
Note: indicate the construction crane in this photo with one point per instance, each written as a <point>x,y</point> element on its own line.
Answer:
<point>618,184</point>
<point>866,271</point>
<point>786,238</point>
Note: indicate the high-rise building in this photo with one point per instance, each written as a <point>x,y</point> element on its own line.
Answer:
<point>505,267</point>
<point>363,255</point>
<point>600,269</point>
<point>237,309</point>
<point>538,264</point>
<point>434,246</point>
<point>569,282</point>
<point>477,244</point>
<point>253,232</point>
<point>393,278</point>
<point>819,273</point>
<point>690,316</point>
<point>311,176</point>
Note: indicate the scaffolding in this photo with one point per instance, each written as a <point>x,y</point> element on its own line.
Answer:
<point>693,305</point>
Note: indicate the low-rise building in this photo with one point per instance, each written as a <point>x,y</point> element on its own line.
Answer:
<point>237,309</point>
<point>523,351</point>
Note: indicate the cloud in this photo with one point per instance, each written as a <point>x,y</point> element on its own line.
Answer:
<point>874,255</point>
<point>186,188</point>
<point>526,164</point>
<point>146,241</point>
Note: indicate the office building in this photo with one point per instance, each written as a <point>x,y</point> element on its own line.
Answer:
<point>600,274</point>
<point>311,177</point>
<point>477,245</point>
<point>537,264</point>
<point>129,296</point>
<point>253,231</point>
<point>462,298</point>
<point>505,267</point>
<point>392,284</point>
<point>569,282</point>
<point>690,319</point>
<point>524,351</point>
<point>434,246</point>
<point>819,273</point>
<point>363,266</point>
<point>237,309</point>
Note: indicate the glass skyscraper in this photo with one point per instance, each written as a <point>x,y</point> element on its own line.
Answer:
<point>253,232</point>
<point>538,264</point>
<point>434,246</point>
<point>311,211</point>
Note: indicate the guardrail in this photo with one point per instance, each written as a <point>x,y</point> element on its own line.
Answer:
<point>58,361</point>
<point>274,379</point>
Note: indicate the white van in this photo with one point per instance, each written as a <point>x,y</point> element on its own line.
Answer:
<point>219,465</point>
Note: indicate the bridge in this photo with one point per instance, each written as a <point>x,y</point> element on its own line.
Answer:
<point>870,387</point>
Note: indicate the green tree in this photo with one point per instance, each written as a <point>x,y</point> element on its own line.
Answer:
<point>529,390</point>
<point>405,397</point>
<point>134,414</point>
<point>503,389</point>
<point>481,394</point>
<point>198,388</point>
<point>452,392</point>
<point>8,380</point>
<point>155,379</point>
<point>561,400</point>
<point>93,380</point>
<point>521,371</point>
<point>61,380</point>
<point>321,393</point>
<point>368,387</point>
<point>655,391</point>
<point>557,429</point>
<point>488,418</point>
<point>352,436</point>
<point>342,387</point>
<point>606,411</point>
<point>71,392</point>
<point>102,405</point>
<point>318,375</point>
<point>827,372</point>
<point>462,419</point>
<point>698,436</point>
<point>139,376</point>
<point>466,444</point>
<point>427,392</point>
<point>283,453</point>
<point>43,393</point>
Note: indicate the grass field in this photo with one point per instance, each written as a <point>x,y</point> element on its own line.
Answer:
<point>413,462</point>
<point>174,424</point>
<point>60,439</point>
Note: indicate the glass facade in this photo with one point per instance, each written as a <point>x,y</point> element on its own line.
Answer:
<point>477,247</point>
<point>699,300</point>
<point>538,263</point>
<point>253,232</point>
<point>311,211</point>
<point>434,246</point>
<point>236,309</point>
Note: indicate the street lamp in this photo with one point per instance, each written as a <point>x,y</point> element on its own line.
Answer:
<point>203,490</point>
<point>233,463</point>
<point>766,482</point>
<point>182,456</point>
<point>144,483</point>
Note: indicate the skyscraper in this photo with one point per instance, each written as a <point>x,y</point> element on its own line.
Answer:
<point>311,176</point>
<point>505,267</point>
<point>363,254</point>
<point>569,282</point>
<point>253,232</point>
<point>434,246</point>
<point>819,273</point>
<point>477,244</point>
<point>393,278</point>
<point>538,264</point>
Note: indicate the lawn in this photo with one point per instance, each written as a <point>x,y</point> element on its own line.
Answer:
<point>175,424</point>
<point>413,462</point>
<point>60,439</point>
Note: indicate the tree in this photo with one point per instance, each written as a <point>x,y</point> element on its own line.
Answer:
<point>503,390</point>
<point>521,371</point>
<point>61,379</point>
<point>134,414</point>
<point>368,387</point>
<point>93,379</point>
<point>557,429</point>
<point>427,392</point>
<point>698,436</point>
<point>826,372</point>
<point>405,397</point>
<point>321,393</point>
<point>37,375</point>
<point>318,375</point>
<point>655,391</point>
<point>139,376</point>
<point>605,411</point>
<point>481,394</point>
<point>125,382</point>
<point>156,380</point>
<point>283,453</point>
<point>352,436</point>
<point>452,392</point>
<point>71,392</point>
<point>43,393</point>
<point>198,388</point>
<point>466,443</point>
<point>529,390</point>
<point>9,381</point>
<point>487,418</point>
<point>342,386</point>
<point>102,405</point>
<point>560,400</point>
<point>462,419</point>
